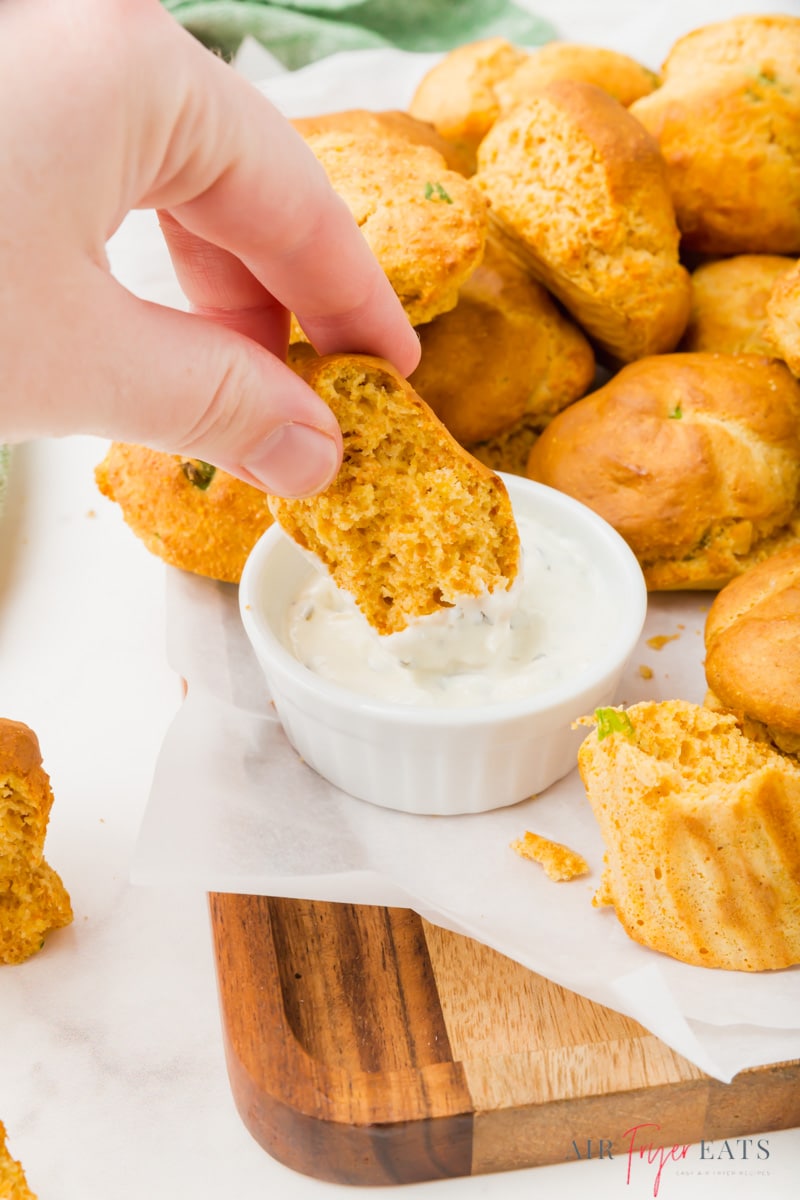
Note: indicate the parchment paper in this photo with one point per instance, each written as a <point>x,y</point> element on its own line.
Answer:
<point>233,808</point>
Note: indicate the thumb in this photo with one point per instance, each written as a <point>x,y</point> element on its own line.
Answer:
<point>182,383</point>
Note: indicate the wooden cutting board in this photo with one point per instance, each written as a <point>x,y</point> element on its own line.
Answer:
<point>366,1046</point>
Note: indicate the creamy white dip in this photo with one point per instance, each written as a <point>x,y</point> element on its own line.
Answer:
<point>550,625</point>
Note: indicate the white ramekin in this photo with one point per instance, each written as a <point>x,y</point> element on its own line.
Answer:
<point>441,761</point>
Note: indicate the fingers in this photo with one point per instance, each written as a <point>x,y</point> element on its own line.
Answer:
<point>137,113</point>
<point>221,288</point>
<point>181,383</point>
<point>240,178</point>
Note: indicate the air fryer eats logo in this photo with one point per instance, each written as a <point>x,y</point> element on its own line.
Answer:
<point>645,1157</point>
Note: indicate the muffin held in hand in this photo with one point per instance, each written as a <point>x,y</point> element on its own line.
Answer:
<point>727,119</point>
<point>752,640</point>
<point>577,189</point>
<point>412,523</point>
<point>693,458</point>
<point>702,834</point>
<point>729,304</point>
<point>187,512</point>
<point>504,354</point>
<point>33,900</point>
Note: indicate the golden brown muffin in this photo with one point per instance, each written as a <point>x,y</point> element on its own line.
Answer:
<point>730,137</point>
<point>622,77</point>
<point>425,224</point>
<point>33,899</point>
<point>32,903</point>
<point>752,640</point>
<point>783,317</point>
<point>12,1178</point>
<point>769,44</point>
<point>389,123</point>
<point>299,355</point>
<point>505,351</point>
<point>458,94</point>
<point>702,835</point>
<point>578,182</point>
<point>729,304</point>
<point>693,458</point>
<point>187,512</point>
<point>412,522</point>
<point>510,450</point>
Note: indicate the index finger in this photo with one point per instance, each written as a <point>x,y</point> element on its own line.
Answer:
<point>239,177</point>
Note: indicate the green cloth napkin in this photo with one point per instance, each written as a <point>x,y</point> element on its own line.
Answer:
<point>298,33</point>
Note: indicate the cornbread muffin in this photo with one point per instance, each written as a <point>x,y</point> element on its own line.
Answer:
<point>12,1178</point>
<point>510,450</point>
<point>702,835</point>
<point>425,224</point>
<point>389,123</point>
<point>33,899</point>
<point>412,522</point>
<point>578,187</point>
<point>621,76</point>
<point>783,318</point>
<point>752,639</point>
<point>771,44</point>
<point>458,94</point>
<point>187,512</point>
<point>729,304</point>
<point>693,458</point>
<point>503,353</point>
<point>730,137</point>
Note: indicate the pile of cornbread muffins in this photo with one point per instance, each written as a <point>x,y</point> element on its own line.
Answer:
<point>601,263</point>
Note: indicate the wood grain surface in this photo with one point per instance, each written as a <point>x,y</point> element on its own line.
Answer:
<point>366,1046</point>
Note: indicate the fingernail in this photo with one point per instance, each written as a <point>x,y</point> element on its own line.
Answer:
<point>296,460</point>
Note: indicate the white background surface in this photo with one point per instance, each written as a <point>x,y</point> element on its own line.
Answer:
<point>112,1079</point>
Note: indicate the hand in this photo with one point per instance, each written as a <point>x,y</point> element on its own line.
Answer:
<point>111,106</point>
